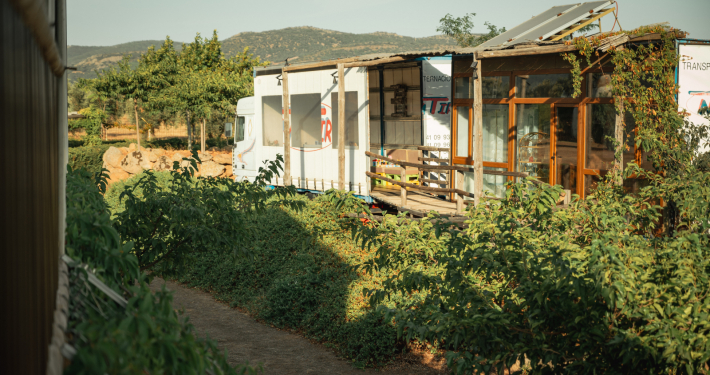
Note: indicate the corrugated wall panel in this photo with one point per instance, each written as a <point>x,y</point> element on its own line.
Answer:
<point>28,195</point>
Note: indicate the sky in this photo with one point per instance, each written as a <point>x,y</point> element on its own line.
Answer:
<point>105,23</point>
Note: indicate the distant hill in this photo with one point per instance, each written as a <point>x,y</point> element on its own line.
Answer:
<point>312,44</point>
<point>86,59</point>
<point>308,43</point>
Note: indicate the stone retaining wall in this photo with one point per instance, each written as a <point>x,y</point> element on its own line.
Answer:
<point>124,162</point>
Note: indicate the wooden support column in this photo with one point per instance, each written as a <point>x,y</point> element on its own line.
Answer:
<point>477,134</point>
<point>621,145</point>
<point>341,126</point>
<point>459,186</point>
<point>287,130</point>
<point>402,189</point>
<point>202,135</point>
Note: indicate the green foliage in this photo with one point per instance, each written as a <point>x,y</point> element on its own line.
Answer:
<point>89,156</point>
<point>611,284</point>
<point>171,219</point>
<point>148,336</point>
<point>461,29</point>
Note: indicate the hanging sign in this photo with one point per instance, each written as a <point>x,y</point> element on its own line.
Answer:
<point>694,82</point>
<point>436,105</point>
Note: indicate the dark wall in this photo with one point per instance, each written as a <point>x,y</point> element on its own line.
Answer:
<point>29,181</point>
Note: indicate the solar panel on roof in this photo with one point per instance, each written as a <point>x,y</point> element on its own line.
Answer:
<point>563,21</point>
<point>535,22</point>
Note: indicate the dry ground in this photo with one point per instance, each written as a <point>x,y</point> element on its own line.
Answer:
<point>278,351</point>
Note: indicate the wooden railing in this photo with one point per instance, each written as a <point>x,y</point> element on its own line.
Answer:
<point>403,185</point>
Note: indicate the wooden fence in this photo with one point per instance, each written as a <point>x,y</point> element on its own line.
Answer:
<point>441,168</point>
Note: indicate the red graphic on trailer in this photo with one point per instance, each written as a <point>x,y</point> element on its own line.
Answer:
<point>442,101</point>
<point>326,126</point>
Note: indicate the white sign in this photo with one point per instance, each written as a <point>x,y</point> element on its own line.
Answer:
<point>694,82</point>
<point>437,105</point>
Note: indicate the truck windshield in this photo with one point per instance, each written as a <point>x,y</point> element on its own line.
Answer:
<point>239,131</point>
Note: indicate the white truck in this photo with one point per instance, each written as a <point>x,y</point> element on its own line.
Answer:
<point>258,134</point>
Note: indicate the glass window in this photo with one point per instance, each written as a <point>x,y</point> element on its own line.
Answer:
<point>239,133</point>
<point>494,184</point>
<point>629,138</point>
<point>495,132</point>
<point>462,136</point>
<point>601,125</point>
<point>544,86</point>
<point>305,121</point>
<point>351,123</point>
<point>273,122</point>
<point>495,87</point>
<point>462,88</point>
<point>600,85</point>
<point>532,123</point>
<point>566,147</point>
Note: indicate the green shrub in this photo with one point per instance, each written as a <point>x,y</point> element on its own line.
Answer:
<point>147,336</point>
<point>89,157</point>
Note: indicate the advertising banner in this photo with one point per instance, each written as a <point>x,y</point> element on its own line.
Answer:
<point>437,105</point>
<point>694,82</point>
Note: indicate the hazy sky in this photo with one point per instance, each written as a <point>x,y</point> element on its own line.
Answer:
<point>103,22</point>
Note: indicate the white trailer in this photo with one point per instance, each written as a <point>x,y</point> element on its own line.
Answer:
<point>259,134</point>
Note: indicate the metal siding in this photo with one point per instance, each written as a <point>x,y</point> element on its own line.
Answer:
<point>29,195</point>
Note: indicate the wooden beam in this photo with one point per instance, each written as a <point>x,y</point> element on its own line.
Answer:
<point>375,62</point>
<point>433,181</point>
<point>287,130</point>
<point>581,25</point>
<point>319,64</point>
<point>202,135</point>
<point>525,51</point>
<point>459,188</point>
<point>620,145</point>
<point>432,148</point>
<point>478,134</point>
<point>341,126</point>
<point>418,187</point>
<point>445,167</point>
<point>437,160</point>
<point>402,189</point>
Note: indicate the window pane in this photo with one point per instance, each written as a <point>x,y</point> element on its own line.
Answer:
<point>495,133</point>
<point>305,121</point>
<point>273,122</point>
<point>532,123</point>
<point>462,131</point>
<point>495,87</point>
<point>495,184</point>
<point>351,123</point>
<point>240,129</point>
<point>543,86</point>
<point>462,88</point>
<point>600,85</point>
<point>601,124</point>
<point>566,147</point>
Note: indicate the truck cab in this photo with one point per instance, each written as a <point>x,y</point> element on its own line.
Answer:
<point>244,153</point>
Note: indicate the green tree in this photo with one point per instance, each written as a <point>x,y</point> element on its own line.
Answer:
<point>461,29</point>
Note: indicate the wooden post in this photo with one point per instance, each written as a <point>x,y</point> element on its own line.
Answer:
<point>402,189</point>
<point>341,126</point>
<point>459,186</point>
<point>621,146</point>
<point>202,135</point>
<point>138,127</point>
<point>477,135</point>
<point>299,182</point>
<point>322,184</point>
<point>287,130</point>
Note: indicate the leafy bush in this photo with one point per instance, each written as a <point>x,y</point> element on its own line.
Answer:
<point>170,223</point>
<point>148,336</point>
<point>90,157</point>
<point>300,272</point>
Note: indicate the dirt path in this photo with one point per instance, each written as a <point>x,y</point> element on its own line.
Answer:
<point>279,352</point>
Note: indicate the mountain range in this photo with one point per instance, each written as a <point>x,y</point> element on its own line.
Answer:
<point>308,43</point>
